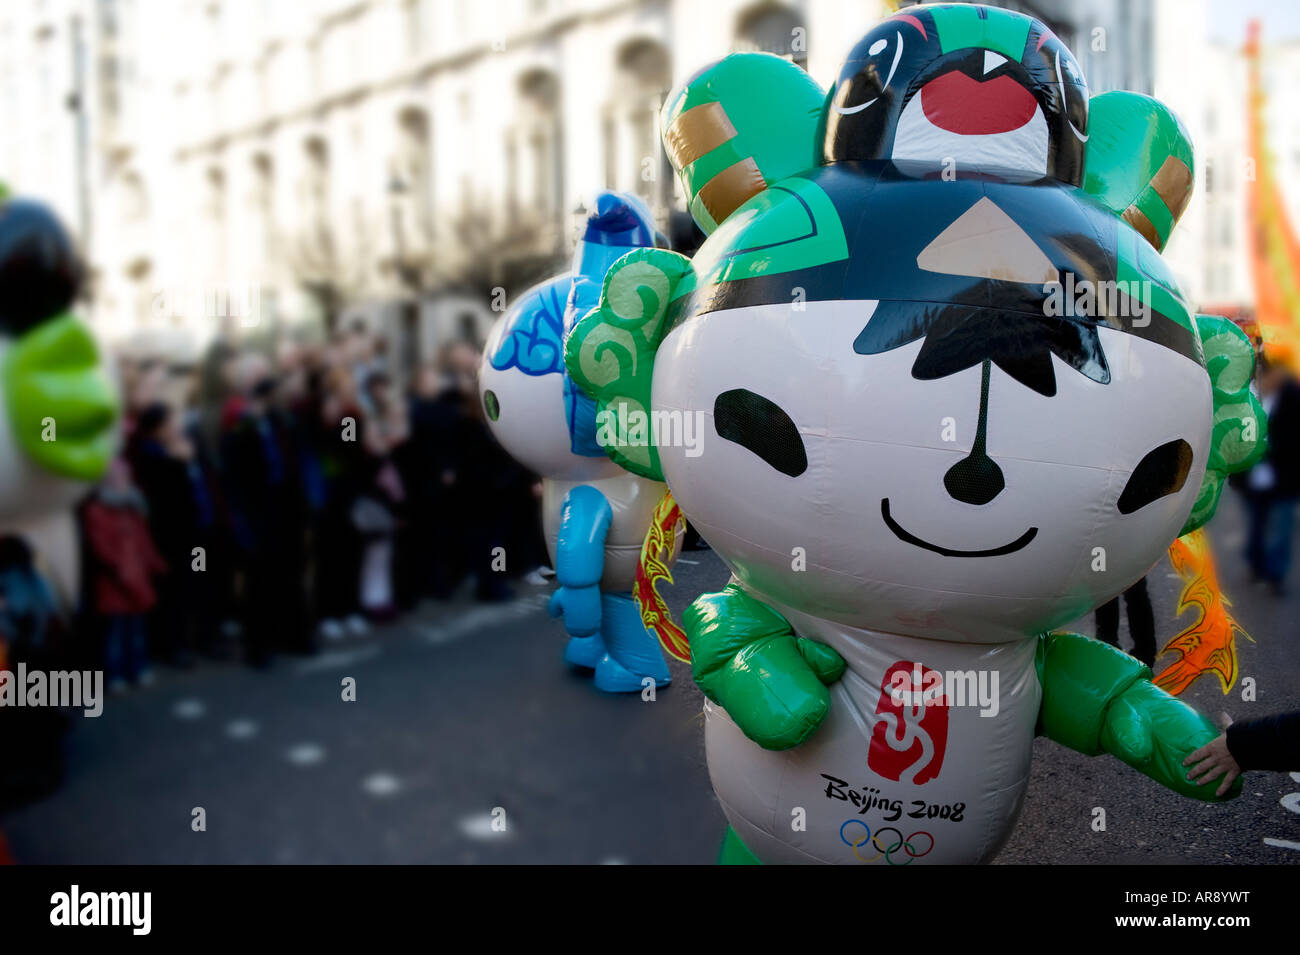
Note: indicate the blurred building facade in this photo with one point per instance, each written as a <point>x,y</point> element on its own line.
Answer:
<point>243,165</point>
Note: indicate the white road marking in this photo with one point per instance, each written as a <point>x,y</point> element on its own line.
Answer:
<point>1291,801</point>
<point>241,729</point>
<point>305,754</point>
<point>480,827</point>
<point>381,784</point>
<point>1296,777</point>
<point>481,618</point>
<point>335,659</point>
<point>189,709</point>
<point>683,560</point>
<point>1282,843</point>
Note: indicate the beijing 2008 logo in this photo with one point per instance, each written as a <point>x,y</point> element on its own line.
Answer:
<point>911,729</point>
<point>886,841</point>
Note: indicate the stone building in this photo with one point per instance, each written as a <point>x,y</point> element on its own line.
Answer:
<point>261,165</point>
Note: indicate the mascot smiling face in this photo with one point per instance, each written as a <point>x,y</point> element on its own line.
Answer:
<point>944,454</point>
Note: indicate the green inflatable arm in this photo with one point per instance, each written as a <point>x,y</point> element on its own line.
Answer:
<point>1098,699</point>
<point>1238,438</point>
<point>747,659</point>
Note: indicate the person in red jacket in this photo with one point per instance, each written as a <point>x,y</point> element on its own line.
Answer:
<point>122,565</point>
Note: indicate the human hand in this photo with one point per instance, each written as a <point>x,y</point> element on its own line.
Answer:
<point>1212,760</point>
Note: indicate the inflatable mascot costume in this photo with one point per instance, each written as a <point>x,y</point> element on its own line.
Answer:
<point>595,514</point>
<point>58,408</point>
<point>955,398</point>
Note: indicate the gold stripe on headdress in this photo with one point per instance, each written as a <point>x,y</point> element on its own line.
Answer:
<point>1173,183</point>
<point>1138,220</point>
<point>697,131</point>
<point>723,194</point>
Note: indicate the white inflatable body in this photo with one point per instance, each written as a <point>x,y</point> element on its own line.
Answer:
<point>817,542</point>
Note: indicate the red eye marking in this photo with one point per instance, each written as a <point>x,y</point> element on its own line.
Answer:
<point>908,18</point>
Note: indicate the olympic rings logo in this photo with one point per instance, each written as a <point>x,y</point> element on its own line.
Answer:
<point>864,837</point>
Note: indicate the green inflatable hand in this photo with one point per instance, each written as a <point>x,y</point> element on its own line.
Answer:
<point>1154,732</point>
<point>1098,699</point>
<point>747,659</point>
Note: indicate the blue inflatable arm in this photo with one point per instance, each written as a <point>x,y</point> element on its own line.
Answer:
<point>580,560</point>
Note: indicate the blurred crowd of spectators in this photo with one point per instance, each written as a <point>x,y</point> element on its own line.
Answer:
<point>322,498</point>
<point>273,500</point>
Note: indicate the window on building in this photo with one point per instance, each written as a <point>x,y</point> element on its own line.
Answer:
<point>419,19</point>
<point>535,137</point>
<point>409,181</point>
<point>315,193</point>
<point>467,329</point>
<point>634,160</point>
<point>135,202</point>
<point>772,28</point>
<point>262,203</point>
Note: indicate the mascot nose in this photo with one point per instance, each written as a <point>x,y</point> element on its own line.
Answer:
<point>975,479</point>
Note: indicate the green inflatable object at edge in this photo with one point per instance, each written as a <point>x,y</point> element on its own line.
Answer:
<point>61,404</point>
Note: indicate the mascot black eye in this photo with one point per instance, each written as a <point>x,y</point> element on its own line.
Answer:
<point>1161,472</point>
<point>755,423</point>
<point>861,91</point>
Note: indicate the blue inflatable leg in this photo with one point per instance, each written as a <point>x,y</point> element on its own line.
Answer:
<point>633,652</point>
<point>585,651</point>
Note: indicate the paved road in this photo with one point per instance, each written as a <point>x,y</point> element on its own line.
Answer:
<point>1145,822</point>
<point>463,710</point>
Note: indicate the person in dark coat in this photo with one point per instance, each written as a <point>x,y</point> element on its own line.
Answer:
<point>182,503</point>
<point>431,551</point>
<point>1141,622</point>
<point>265,500</point>
<point>1271,487</point>
<point>332,431</point>
<point>1269,743</point>
<point>33,632</point>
